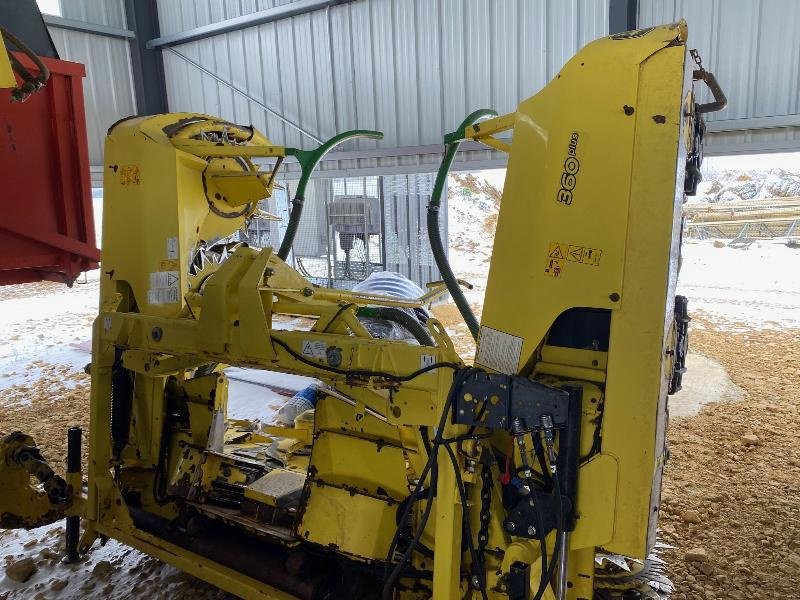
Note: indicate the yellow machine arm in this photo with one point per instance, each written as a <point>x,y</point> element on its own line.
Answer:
<point>415,475</point>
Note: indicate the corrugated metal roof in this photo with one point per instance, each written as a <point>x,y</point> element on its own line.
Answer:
<point>753,48</point>
<point>411,68</point>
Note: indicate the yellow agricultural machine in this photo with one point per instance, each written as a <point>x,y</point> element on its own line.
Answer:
<point>533,473</point>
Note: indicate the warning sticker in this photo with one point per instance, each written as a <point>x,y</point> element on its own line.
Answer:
<point>591,256</point>
<point>313,349</point>
<point>557,250</point>
<point>426,360</point>
<point>129,175</point>
<point>557,253</point>
<point>575,253</point>
<point>554,268</point>
<point>168,265</point>
<point>499,350</point>
<point>164,287</point>
<point>172,248</point>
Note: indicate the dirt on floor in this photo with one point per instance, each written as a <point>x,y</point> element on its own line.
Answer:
<point>731,496</point>
<point>45,405</point>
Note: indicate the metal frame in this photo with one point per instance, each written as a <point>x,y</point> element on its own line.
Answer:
<point>148,67</point>
<point>94,28</point>
<point>399,169</point>
<point>243,93</point>
<point>623,15</point>
<point>753,123</point>
<point>257,18</point>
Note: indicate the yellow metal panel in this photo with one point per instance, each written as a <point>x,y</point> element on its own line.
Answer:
<point>354,524</point>
<point>636,388</point>
<point>590,201</point>
<point>369,466</point>
<point>7,79</point>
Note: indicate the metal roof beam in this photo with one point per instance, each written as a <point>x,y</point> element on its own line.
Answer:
<point>240,91</point>
<point>269,15</point>
<point>147,65</point>
<point>390,152</point>
<point>85,27</point>
<point>753,123</point>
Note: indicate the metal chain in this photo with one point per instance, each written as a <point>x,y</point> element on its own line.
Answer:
<point>696,57</point>
<point>486,504</point>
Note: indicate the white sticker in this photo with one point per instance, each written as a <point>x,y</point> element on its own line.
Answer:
<point>314,349</point>
<point>107,323</point>
<point>172,248</point>
<point>164,287</point>
<point>426,360</point>
<point>498,350</point>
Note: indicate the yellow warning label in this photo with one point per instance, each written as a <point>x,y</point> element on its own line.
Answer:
<point>558,253</point>
<point>557,250</point>
<point>554,268</point>
<point>129,175</point>
<point>591,256</point>
<point>575,253</point>
<point>169,265</point>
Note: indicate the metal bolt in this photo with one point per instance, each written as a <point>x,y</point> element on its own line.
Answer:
<point>510,526</point>
<point>476,582</point>
<point>531,530</point>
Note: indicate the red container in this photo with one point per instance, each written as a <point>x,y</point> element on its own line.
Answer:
<point>46,220</point>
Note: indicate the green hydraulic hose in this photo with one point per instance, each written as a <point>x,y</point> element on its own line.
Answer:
<point>309,159</point>
<point>434,234</point>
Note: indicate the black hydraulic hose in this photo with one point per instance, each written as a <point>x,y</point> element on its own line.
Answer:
<point>291,227</point>
<point>409,322</point>
<point>462,491</point>
<point>431,466</point>
<point>434,235</point>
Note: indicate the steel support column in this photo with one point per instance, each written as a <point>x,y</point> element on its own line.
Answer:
<point>623,15</point>
<point>147,64</point>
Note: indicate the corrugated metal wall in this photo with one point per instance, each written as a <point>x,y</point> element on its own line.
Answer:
<point>753,47</point>
<point>108,87</point>
<point>411,68</point>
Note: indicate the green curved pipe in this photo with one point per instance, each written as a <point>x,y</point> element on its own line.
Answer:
<point>453,141</point>
<point>309,159</point>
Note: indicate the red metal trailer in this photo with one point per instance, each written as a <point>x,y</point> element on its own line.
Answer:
<point>46,221</point>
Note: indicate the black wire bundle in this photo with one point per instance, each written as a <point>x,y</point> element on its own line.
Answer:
<point>548,567</point>
<point>431,466</point>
